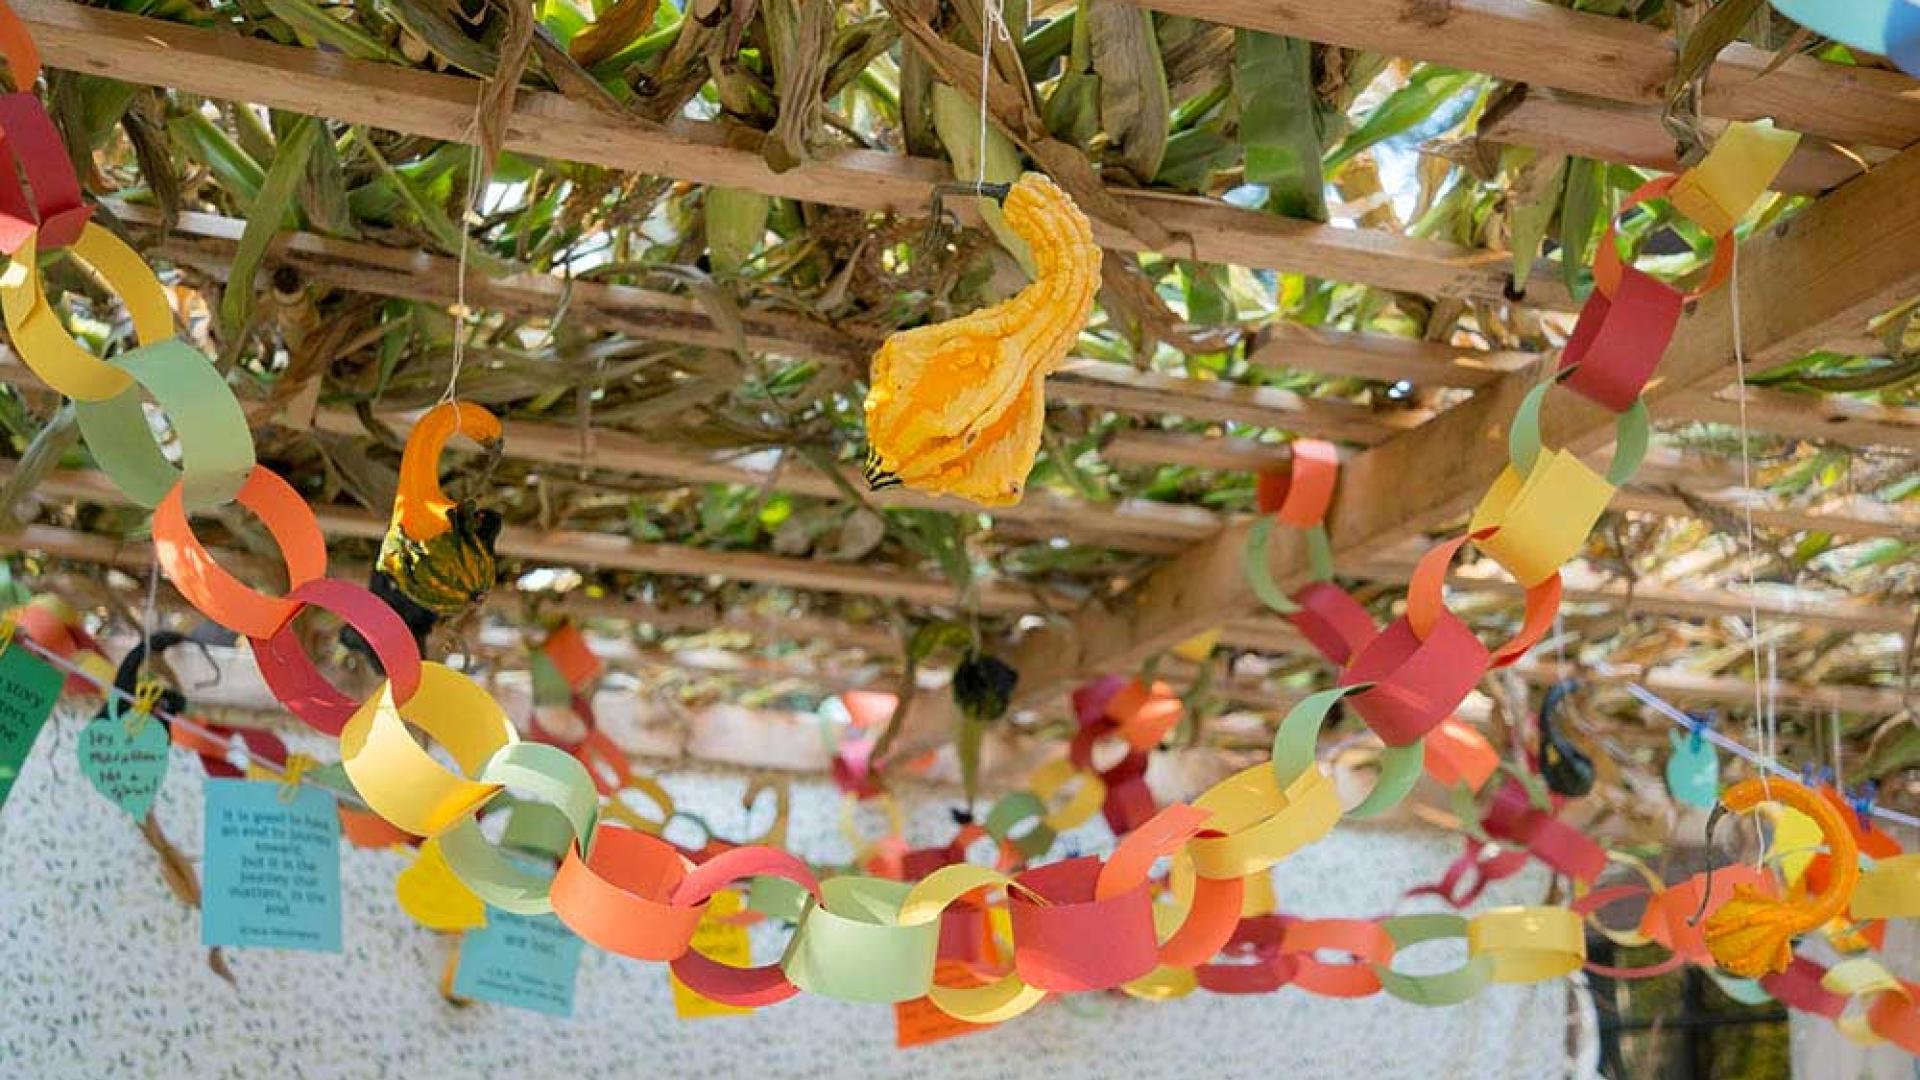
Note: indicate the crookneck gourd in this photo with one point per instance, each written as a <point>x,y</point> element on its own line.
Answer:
<point>956,407</point>
<point>1752,934</point>
<point>438,552</point>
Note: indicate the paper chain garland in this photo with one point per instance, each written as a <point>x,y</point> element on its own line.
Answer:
<point>1078,925</point>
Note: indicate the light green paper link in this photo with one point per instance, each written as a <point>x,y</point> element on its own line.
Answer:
<point>555,777</point>
<point>1523,437</point>
<point>1297,742</point>
<point>1400,769</point>
<point>1631,435</point>
<point>851,947</point>
<point>1446,988</point>
<point>1259,575</point>
<point>1320,553</point>
<point>777,898</point>
<point>537,829</point>
<point>1632,432</point>
<point>216,446</point>
<point>1010,811</point>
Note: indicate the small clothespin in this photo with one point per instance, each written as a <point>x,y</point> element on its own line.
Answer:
<point>145,696</point>
<point>1698,724</point>
<point>9,623</point>
<point>291,774</point>
<point>1862,803</point>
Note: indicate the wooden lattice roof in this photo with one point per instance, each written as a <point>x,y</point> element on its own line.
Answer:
<point>686,436</point>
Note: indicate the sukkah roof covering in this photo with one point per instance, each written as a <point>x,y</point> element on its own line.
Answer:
<point>1368,222</point>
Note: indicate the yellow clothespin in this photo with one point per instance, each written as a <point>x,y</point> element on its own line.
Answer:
<point>9,622</point>
<point>145,696</point>
<point>291,774</point>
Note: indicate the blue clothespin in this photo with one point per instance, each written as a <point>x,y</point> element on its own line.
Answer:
<point>1698,724</point>
<point>1862,804</point>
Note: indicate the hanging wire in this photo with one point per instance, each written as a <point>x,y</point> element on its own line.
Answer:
<point>245,758</point>
<point>461,313</point>
<point>1763,764</point>
<point>992,26</point>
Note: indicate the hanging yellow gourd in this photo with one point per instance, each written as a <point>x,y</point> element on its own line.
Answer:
<point>1752,934</point>
<point>438,552</point>
<point>956,408</point>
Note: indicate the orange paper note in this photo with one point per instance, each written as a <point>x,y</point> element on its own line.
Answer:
<point>920,1021</point>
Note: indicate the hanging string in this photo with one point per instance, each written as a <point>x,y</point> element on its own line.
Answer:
<point>1764,765</point>
<point>147,617</point>
<point>993,26</point>
<point>1746,506</point>
<point>236,755</point>
<point>468,215</point>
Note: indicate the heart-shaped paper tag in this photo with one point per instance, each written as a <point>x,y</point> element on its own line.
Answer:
<point>1693,771</point>
<point>125,758</point>
<point>432,896</point>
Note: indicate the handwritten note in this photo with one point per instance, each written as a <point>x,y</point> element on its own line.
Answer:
<point>521,961</point>
<point>125,758</point>
<point>272,867</point>
<point>28,690</point>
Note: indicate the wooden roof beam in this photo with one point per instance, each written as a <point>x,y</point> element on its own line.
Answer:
<point>1529,41</point>
<point>562,547</point>
<point>231,67</point>
<point>1632,135</point>
<point>1852,255</point>
<point>1265,635</point>
<point>206,242</point>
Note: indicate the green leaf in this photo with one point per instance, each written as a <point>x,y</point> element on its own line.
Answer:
<point>957,121</point>
<point>323,194</point>
<point>1429,88</point>
<point>315,26</point>
<point>1134,99</point>
<point>430,216</point>
<point>1072,110</point>
<point>265,213</point>
<point>929,638</point>
<point>1535,180</point>
<point>1579,216</point>
<point>237,173</point>
<point>1279,128</point>
<point>736,221</point>
<point>1193,156</point>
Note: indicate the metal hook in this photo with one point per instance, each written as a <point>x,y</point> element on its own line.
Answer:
<point>946,222</point>
<point>1706,892</point>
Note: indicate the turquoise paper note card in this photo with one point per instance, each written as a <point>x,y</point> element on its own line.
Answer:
<point>272,874</point>
<point>521,961</point>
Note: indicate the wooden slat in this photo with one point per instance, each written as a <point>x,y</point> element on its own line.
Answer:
<point>1632,135</point>
<point>1534,42</point>
<point>207,242</point>
<point>1129,525</point>
<point>1383,357</point>
<point>1657,488</point>
<point>1122,389</point>
<point>561,547</point>
<point>230,67</point>
<point>1852,255</point>
<point>1155,448</point>
<point>1582,586</point>
<point>1814,417</point>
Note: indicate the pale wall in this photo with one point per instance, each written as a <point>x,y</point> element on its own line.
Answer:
<point>101,975</point>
